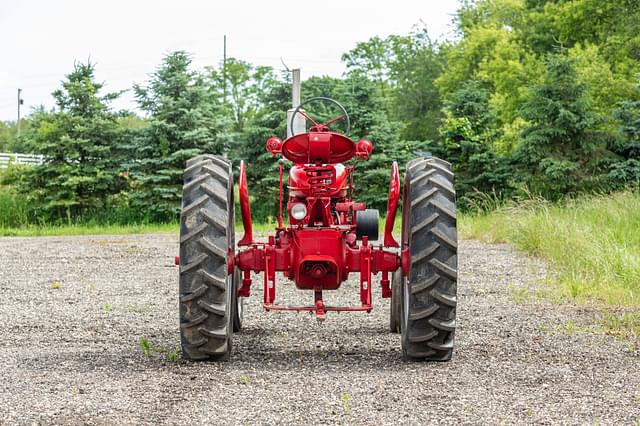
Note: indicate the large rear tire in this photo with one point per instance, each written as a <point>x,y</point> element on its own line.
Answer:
<point>207,238</point>
<point>429,232</point>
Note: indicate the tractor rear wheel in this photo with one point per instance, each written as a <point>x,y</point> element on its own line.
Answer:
<point>207,238</point>
<point>429,232</point>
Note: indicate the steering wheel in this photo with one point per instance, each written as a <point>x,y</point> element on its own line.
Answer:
<point>322,126</point>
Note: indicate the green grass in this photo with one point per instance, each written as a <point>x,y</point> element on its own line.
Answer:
<point>85,229</point>
<point>14,211</point>
<point>592,243</point>
<point>260,230</point>
<point>18,218</point>
<point>622,325</point>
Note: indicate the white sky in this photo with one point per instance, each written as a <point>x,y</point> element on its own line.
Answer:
<point>40,39</point>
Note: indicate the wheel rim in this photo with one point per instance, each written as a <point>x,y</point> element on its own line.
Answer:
<point>240,308</point>
<point>239,300</point>
<point>404,315</point>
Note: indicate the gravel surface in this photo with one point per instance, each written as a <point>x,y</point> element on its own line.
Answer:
<point>73,311</point>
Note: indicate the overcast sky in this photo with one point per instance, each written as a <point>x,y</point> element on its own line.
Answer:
<point>40,39</point>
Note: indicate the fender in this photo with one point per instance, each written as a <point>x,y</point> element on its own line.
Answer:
<point>245,206</point>
<point>392,206</point>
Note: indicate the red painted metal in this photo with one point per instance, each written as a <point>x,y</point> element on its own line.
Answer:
<point>313,308</point>
<point>405,261</point>
<point>384,282</point>
<point>269,272</point>
<point>245,207</point>
<point>274,146</point>
<point>231,261</point>
<point>315,123</point>
<point>364,148</point>
<point>319,147</point>
<point>392,206</point>
<point>331,180</point>
<point>245,289</point>
<point>316,259</point>
<point>327,147</point>
<point>321,312</point>
<point>318,252</point>
<point>318,248</point>
<point>280,225</point>
<point>333,120</point>
<point>365,272</point>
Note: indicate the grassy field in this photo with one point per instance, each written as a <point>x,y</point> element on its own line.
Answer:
<point>13,209</point>
<point>593,243</point>
<point>86,229</point>
<point>16,219</point>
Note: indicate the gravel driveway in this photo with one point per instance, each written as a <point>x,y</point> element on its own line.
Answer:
<point>74,309</point>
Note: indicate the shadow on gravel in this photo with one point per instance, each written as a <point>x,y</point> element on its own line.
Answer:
<point>362,329</point>
<point>119,360</point>
<point>258,348</point>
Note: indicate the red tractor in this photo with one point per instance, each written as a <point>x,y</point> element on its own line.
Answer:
<point>328,237</point>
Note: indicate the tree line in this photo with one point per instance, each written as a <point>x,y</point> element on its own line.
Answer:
<point>531,96</point>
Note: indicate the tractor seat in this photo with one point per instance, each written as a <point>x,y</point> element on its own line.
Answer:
<point>318,147</point>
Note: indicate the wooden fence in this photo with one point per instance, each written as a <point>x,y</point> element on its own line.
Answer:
<point>14,158</point>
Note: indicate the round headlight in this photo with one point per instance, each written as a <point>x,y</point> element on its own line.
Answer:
<point>299,211</point>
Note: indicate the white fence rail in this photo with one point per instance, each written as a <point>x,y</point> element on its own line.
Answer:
<point>14,158</point>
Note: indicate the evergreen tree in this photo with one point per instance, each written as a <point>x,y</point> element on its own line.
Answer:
<point>79,141</point>
<point>262,174</point>
<point>370,121</point>
<point>627,146</point>
<point>468,132</point>
<point>560,152</point>
<point>185,120</point>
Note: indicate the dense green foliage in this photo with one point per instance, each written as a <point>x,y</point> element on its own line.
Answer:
<point>532,97</point>
<point>555,74</point>
<point>184,121</point>
<point>79,142</point>
<point>9,141</point>
<point>561,150</point>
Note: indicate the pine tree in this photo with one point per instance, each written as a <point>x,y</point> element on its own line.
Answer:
<point>184,121</point>
<point>79,141</point>
<point>369,118</point>
<point>468,132</point>
<point>262,172</point>
<point>626,170</point>
<point>561,151</point>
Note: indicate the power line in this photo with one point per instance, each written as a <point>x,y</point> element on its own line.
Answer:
<point>224,70</point>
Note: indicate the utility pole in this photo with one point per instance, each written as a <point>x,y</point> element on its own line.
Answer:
<point>295,88</point>
<point>20,102</point>
<point>224,69</point>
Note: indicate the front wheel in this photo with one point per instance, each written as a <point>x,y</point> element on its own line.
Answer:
<point>429,233</point>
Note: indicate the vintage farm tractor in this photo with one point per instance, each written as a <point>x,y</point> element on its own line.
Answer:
<point>328,237</point>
